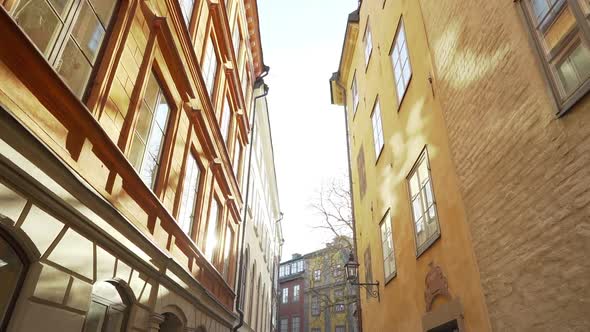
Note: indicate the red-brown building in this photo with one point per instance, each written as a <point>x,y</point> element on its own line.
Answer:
<point>291,295</point>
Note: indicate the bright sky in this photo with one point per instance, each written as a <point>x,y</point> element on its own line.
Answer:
<point>302,41</point>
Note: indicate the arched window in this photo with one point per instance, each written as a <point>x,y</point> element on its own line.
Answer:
<point>109,309</point>
<point>171,323</point>
<point>13,265</point>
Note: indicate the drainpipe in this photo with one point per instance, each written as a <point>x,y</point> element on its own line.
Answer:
<point>239,290</point>
<point>359,310</point>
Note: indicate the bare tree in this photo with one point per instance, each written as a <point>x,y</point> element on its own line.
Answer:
<point>331,293</point>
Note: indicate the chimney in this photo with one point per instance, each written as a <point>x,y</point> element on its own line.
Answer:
<point>295,256</point>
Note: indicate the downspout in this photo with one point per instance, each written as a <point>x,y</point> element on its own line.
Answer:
<point>239,294</point>
<point>275,277</point>
<point>354,242</point>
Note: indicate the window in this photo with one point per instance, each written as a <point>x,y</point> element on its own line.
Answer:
<point>561,31</point>
<point>186,6</point>
<point>423,205</point>
<point>12,273</point>
<point>107,311</point>
<point>236,162</point>
<point>211,238</point>
<point>315,306</point>
<point>339,307</point>
<point>317,275</point>
<point>296,293</point>
<point>340,329</point>
<point>228,243</point>
<point>70,34</point>
<point>360,162</point>
<point>188,200</point>
<point>377,129</point>
<point>286,295</point>
<point>209,67</point>
<point>284,324</point>
<point>402,70</point>
<point>225,121</point>
<point>387,247</point>
<point>337,270</point>
<point>368,44</point>
<point>236,39</point>
<point>297,267</point>
<point>355,94</point>
<point>149,131</point>
<point>295,324</point>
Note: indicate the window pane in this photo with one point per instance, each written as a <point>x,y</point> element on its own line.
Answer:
<point>187,10</point>
<point>95,317</point>
<point>114,320</point>
<point>144,121</point>
<point>61,7</point>
<point>104,10</point>
<point>39,22</point>
<point>151,91</point>
<point>136,151</point>
<point>540,8</point>
<point>189,194</point>
<point>211,240</point>
<point>581,61</point>
<point>88,32</point>
<point>74,68</point>
<point>568,77</point>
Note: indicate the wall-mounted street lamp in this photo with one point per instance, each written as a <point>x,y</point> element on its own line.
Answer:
<point>352,275</point>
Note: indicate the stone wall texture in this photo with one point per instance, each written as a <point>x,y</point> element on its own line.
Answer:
<point>523,172</point>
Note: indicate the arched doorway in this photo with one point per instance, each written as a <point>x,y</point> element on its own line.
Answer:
<point>109,308</point>
<point>171,323</point>
<point>13,266</point>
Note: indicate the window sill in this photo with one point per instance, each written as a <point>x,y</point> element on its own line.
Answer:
<point>390,278</point>
<point>379,155</point>
<point>423,248</point>
<point>401,101</point>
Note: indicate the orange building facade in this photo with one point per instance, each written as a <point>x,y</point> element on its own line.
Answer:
<point>123,127</point>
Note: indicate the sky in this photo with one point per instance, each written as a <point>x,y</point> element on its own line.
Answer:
<point>301,42</point>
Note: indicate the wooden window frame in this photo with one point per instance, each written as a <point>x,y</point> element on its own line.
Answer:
<point>200,197</point>
<point>25,261</point>
<point>59,44</point>
<point>420,249</point>
<point>581,34</point>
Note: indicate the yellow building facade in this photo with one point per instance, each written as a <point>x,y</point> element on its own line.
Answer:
<point>411,230</point>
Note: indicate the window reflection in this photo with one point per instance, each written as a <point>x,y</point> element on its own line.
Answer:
<point>12,270</point>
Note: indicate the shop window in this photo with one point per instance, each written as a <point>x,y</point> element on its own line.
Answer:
<point>13,267</point>
<point>108,310</point>
<point>69,33</point>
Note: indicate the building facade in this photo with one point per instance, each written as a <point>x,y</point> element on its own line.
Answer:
<point>263,235</point>
<point>330,301</point>
<point>123,127</point>
<point>468,151</point>
<point>291,295</point>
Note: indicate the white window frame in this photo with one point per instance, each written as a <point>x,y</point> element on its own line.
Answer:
<point>400,62</point>
<point>317,275</point>
<point>285,295</point>
<point>387,247</point>
<point>368,40</point>
<point>296,293</point>
<point>419,203</point>
<point>377,125</point>
<point>355,94</point>
<point>209,68</point>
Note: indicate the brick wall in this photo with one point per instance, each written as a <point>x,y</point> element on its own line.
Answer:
<point>523,172</point>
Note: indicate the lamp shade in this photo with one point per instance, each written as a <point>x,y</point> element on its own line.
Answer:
<point>352,268</point>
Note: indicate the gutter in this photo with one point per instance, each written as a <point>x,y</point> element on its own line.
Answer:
<point>336,78</point>
<point>259,81</point>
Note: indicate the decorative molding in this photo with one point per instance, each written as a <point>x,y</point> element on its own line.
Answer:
<point>436,285</point>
